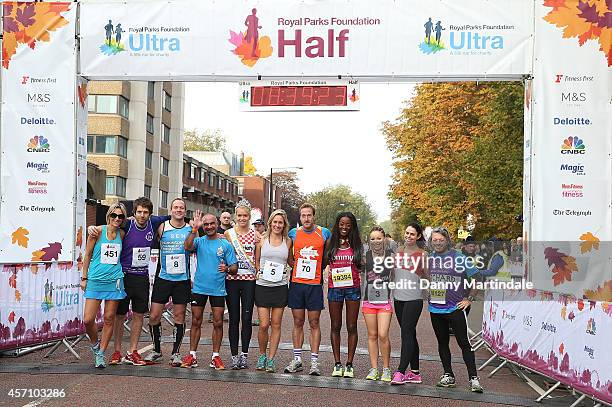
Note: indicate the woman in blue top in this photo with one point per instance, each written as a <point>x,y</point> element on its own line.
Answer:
<point>448,300</point>
<point>103,280</point>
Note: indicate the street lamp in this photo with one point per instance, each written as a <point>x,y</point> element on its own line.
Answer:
<point>271,172</point>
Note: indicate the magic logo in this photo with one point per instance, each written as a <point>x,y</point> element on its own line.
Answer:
<point>140,40</point>
<point>461,38</point>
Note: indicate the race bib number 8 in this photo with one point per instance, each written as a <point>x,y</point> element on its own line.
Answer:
<point>141,256</point>
<point>109,253</point>
<point>306,269</point>
<point>175,264</point>
<point>272,272</point>
<point>342,277</point>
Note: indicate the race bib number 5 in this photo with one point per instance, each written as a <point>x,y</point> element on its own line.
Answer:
<point>306,269</point>
<point>342,277</point>
<point>109,253</point>
<point>175,264</point>
<point>272,272</point>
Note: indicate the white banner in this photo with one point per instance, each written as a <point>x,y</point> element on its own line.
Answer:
<point>37,165</point>
<point>567,340</point>
<point>39,303</point>
<point>571,230</point>
<point>237,38</point>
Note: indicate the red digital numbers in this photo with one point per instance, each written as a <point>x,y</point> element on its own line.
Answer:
<point>298,95</point>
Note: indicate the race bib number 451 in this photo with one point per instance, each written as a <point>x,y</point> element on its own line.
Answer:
<point>109,253</point>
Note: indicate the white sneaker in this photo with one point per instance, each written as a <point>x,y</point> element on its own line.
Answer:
<point>314,368</point>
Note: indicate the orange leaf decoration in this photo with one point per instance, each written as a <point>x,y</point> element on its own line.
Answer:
<point>13,280</point>
<point>79,237</point>
<point>17,295</point>
<point>602,293</point>
<point>563,264</point>
<point>20,236</point>
<point>11,317</point>
<point>82,91</point>
<point>561,348</point>
<point>590,242</point>
<point>37,255</point>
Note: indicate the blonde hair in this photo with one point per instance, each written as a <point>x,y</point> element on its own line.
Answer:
<point>285,232</point>
<point>112,208</point>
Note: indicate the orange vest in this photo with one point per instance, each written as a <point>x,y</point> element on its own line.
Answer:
<point>308,246</point>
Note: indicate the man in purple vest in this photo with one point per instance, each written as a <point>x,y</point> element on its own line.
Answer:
<point>135,257</point>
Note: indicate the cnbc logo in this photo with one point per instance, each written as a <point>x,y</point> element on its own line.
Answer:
<point>573,145</point>
<point>38,144</point>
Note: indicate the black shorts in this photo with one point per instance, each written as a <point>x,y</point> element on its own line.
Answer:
<point>271,297</point>
<point>137,292</point>
<point>180,291</point>
<point>199,300</point>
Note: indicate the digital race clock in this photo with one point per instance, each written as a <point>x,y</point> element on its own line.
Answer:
<point>299,94</point>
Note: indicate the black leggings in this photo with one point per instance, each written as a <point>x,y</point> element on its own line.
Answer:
<point>240,291</point>
<point>408,313</point>
<point>456,320</point>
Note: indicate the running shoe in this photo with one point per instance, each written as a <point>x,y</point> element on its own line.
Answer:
<point>338,370</point>
<point>175,360</point>
<point>398,378</point>
<point>115,358</point>
<point>412,377</point>
<point>271,368</point>
<point>314,368</point>
<point>348,371</point>
<point>153,357</point>
<point>189,361</point>
<point>386,375</point>
<point>100,359</point>
<point>234,365</point>
<point>373,374</point>
<point>217,364</point>
<point>294,366</point>
<point>243,361</point>
<point>475,385</point>
<point>261,362</point>
<point>95,348</point>
<point>133,359</point>
<point>446,380</point>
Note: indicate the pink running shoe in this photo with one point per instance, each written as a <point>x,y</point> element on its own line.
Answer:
<point>412,377</point>
<point>398,378</point>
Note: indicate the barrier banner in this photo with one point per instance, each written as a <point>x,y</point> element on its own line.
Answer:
<point>571,151</point>
<point>237,38</point>
<point>39,303</point>
<point>37,134</point>
<point>560,337</point>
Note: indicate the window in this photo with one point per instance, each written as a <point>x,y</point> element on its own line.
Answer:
<point>240,189</point>
<point>167,102</point>
<point>163,199</point>
<point>151,90</point>
<point>166,134</point>
<point>112,104</point>
<point>150,128</point>
<point>163,163</point>
<point>202,175</point>
<point>227,186</point>
<point>107,145</point>
<point>211,179</point>
<point>148,159</point>
<point>115,186</point>
<point>218,182</point>
<point>192,171</point>
<point>147,191</point>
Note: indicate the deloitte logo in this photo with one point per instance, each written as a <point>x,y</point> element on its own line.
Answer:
<point>38,144</point>
<point>573,145</point>
<point>151,43</point>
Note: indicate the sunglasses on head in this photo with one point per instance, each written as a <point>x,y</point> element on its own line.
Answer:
<point>117,215</point>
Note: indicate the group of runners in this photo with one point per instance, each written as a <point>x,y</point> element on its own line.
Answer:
<point>272,270</point>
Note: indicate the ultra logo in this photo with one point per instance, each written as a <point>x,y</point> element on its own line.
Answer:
<point>461,38</point>
<point>38,144</point>
<point>138,41</point>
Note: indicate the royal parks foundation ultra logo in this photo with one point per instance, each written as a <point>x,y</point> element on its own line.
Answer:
<point>463,39</point>
<point>142,40</point>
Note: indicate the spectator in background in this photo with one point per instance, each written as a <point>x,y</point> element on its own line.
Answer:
<point>225,222</point>
<point>391,244</point>
<point>260,226</point>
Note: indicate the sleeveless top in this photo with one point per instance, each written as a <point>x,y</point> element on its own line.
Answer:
<point>342,271</point>
<point>308,256</point>
<point>136,253</point>
<point>407,280</point>
<point>278,255</point>
<point>244,246</point>
<point>105,269</point>
<point>376,291</point>
<point>173,258</point>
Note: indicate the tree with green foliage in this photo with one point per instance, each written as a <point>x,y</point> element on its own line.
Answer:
<point>207,140</point>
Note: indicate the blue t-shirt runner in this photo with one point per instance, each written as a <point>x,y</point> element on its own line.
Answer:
<point>449,267</point>
<point>210,252</point>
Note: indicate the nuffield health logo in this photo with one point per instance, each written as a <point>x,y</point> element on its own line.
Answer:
<point>429,45</point>
<point>112,42</point>
<point>249,46</point>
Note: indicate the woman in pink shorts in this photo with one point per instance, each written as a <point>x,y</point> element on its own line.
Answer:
<point>377,303</point>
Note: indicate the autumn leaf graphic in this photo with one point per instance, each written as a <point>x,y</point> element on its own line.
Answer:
<point>17,295</point>
<point>48,253</point>
<point>79,237</point>
<point>27,23</point>
<point>589,242</point>
<point>82,92</point>
<point>11,317</point>
<point>37,255</point>
<point>13,281</point>
<point>601,293</point>
<point>20,236</point>
<point>563,264</point>
<point>585,20</point>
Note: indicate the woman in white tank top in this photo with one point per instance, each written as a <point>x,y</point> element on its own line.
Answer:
<point>272,261</point>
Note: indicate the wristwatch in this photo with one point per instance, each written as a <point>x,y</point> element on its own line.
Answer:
<point>470,298</point>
